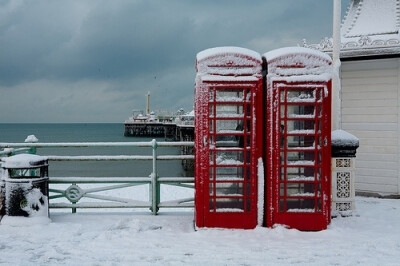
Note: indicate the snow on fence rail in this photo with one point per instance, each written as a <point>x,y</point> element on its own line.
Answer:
<point>74,193</point>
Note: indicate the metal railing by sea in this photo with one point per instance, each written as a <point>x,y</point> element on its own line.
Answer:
<point>74,190</point>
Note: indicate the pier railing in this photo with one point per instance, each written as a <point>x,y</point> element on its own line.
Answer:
<point>70,192</point>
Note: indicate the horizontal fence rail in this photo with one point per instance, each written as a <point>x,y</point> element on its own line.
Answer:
<point>73,189</point>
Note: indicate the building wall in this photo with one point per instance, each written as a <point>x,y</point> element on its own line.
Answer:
<point>370,111</point>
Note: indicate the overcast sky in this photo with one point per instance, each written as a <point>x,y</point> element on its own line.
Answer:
<point>94,60</point>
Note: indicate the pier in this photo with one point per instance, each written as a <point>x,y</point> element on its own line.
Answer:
<point>182,132</point>
<point>170,131</point>
<point>175,127</point>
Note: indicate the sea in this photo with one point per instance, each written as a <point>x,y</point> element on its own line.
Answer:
<point>93,132</point>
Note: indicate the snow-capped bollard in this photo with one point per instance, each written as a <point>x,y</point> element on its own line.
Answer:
<point>344,147</point>
<point>31,139</point>
<point>25,185</point>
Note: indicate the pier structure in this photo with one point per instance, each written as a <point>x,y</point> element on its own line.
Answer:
<point>185,127</point>
<point>178,127</point>
<point>185,132</point>
<point>170,130</point>
<point>173,127</point>
<point>182,129</point>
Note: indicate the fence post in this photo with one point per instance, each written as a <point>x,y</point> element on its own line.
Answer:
<point>73,203</point>
<point>31,139</point>
<point>154,182</point>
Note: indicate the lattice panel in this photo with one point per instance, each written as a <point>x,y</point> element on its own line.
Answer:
<point>343,162</point>
<point>343,187</point>
<point>343,194</point>
<point>343,206</point>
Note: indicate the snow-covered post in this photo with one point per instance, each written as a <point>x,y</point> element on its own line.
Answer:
<point>344,144</point>
<point>2,190</point>
<point>154,187</point>
<point>31,139</point>
<point>336,86</point>
<point>344,147</point>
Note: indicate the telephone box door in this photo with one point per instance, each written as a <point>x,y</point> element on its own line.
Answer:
<point>299,180</point>
<point>228,171</point>
<point>227,98</point>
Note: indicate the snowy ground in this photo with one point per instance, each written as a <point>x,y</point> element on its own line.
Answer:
<point>371,237</point>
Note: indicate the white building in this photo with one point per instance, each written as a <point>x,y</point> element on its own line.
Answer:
<point>370,108</point>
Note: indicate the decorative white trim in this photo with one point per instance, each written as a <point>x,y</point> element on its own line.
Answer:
<point>343,186</point>
<point>362,42</point>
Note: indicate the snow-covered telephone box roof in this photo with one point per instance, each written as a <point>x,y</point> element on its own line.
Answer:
<point>228,63</point>
<point>299,64</point>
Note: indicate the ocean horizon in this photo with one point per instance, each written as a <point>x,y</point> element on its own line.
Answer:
<point>91,132</point>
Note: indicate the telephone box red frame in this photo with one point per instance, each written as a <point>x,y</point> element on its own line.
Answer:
<point>298,148</point>
<point>228,97</point>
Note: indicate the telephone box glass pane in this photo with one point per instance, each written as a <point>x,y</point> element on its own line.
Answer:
<point>224,141</point>
<point>230,95</point>
<point>211,111</point>
<point>211,126</point>
<point>228,173</point>
<point>301,111</point>
<point>301,141</point>
<point>229,189</point>
<point>229,126</point>
<point>229,111</point>
<point>227,157</point>
<point>300,190</point>
<point>307,95</point>
<point>300,157</point>
<point>229,205</point>
<point>282,111</point>
<point>300,174</point>
<point>300,127</point>
<point>300,205</point>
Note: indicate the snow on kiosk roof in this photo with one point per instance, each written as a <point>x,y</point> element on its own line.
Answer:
<point>369,28</point>
<point>299,63</point>
<point>228,61</point>
<point>290,51</point>
<point>226,50</point>
<point>371,17</point>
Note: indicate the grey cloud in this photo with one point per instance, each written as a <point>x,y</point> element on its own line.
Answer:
<point>137,45</point>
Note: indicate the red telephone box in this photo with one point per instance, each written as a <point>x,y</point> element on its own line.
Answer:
<point>228,95</point>
<point>298,138</point>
